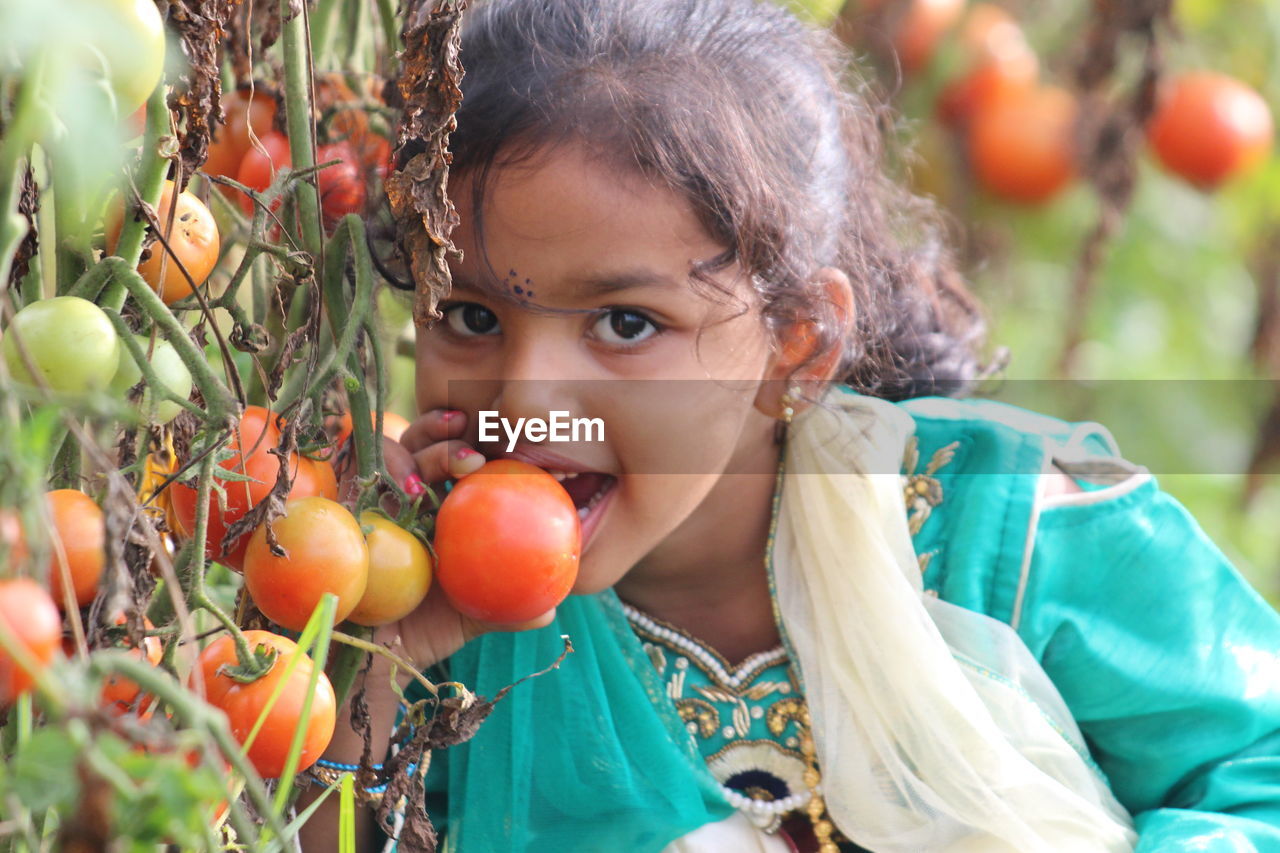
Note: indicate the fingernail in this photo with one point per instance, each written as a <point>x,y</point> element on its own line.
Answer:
<point>450,414</point>
<point>414,486</point>
<point>466,461</point>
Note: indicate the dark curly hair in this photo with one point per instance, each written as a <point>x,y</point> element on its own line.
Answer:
<point>758,121</point>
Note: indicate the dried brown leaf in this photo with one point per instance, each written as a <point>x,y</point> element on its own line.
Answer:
<point>28,206</point>
<point>429,84</point>
<point>197,92</point>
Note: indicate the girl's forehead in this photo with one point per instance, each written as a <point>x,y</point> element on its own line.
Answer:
<point>571,216</point>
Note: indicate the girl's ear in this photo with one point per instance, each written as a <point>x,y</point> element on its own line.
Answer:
<point>799,360</point>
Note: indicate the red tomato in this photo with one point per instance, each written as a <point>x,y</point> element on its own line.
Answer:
<point>375,154</point>
<point>244,703</point>
<point>256,434</point>
<point>259,166</point>
<point>314,477</point>
<point>1022,147</point>
<point>399,573</point>
<point>507,542</point>
<point>231,141</point>
<point>27,614</point>
<point>79,537</point>
<point>194,241</point>
<point>119,693</point>
<point>326,553</point>
<point>1000,63</point>
<point>1209,127</point>
<point>342,187</point>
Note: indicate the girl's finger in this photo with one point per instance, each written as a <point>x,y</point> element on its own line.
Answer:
<point>433,426</point>
<point>447,460</point>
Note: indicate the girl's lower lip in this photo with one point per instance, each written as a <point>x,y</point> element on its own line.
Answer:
<point>592,521</point>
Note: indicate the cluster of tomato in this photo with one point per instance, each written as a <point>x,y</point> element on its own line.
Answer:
<point>1020,134</point>
<point>250,149</point>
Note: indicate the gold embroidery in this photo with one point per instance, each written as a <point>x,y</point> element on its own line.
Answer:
<point>782,712</point>
<point>703,713</point>
<point>921,490</point>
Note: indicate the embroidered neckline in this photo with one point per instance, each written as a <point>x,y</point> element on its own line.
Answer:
<point>717,668</point>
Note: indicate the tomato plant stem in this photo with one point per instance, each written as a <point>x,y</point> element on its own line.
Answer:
<point>297,94</point>
<point>150,186</point>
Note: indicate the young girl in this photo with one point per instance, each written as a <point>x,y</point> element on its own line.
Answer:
<point>823,604</point>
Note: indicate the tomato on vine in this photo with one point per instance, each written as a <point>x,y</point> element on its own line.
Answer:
<point>78,538</point>
<point>325,552</point>
<point>342,185</point>
<point>69,341</point>
<point>246,115</point>
<point>244,703</point>
<point>507,539</point>
<point>399,573</point>
<point>119,693</point>
<point>260,165</point>
<point>29,618</point>
<point>194,240</point>
<point>1209,127</point>
<point>169,368</point>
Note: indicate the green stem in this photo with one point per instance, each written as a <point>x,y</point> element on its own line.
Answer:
<point>297,92</point>
<point>14,146</point>
<point>374,648</point>
<point>220,403</point>
<point>193,713</point>
<point>150,187</point>
<point>149,375</point>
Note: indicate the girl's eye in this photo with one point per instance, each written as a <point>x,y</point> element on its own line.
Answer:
<point>470,319</point>
<point>624,327</point>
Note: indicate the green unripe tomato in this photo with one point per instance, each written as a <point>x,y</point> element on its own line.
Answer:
<point>70,342</point>
<point>168,366</point>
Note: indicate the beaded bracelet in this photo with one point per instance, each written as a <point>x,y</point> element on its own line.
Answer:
<point>331,773</point>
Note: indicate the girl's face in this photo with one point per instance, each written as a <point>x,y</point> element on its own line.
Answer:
<point>604,321</point>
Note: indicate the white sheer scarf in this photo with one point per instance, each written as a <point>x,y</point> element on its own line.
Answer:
<point>935,728</point>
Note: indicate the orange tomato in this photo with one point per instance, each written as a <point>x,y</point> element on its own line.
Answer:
<point>194,240</point>
<point>1022,148</point>
<point>1209,127</point>
<point>119,693</point>
<point>244,703</point>
<point>28,616</point>
<point>325,553</point>
<point>78,538</point>
<point>399,573</point>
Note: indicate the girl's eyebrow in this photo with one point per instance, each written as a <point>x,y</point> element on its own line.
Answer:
<point>608,282</point>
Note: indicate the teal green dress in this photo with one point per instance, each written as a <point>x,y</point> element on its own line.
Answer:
<point>1167,658</point>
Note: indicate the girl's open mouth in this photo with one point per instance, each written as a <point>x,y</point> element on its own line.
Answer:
<point>590,491</point>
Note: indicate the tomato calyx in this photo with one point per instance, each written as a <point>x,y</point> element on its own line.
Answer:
<point>264,658</point>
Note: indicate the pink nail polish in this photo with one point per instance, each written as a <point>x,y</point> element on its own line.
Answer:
<point>465,453</point>
<point>414,486</point>
<point>450,414</point>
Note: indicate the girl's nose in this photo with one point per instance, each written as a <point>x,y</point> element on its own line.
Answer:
<point>539,374</point>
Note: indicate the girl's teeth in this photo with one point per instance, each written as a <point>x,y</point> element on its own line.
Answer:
<point>571,475</point>
<point>559,475</point>
<point>583,512</point>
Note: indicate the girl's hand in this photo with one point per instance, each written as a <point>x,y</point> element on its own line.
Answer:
<point>435,629</point>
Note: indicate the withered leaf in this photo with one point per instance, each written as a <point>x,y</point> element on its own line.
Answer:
<point>272,506</point>
<point>197,92</point>
<point>429,84</point>
<point>28,206</point>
